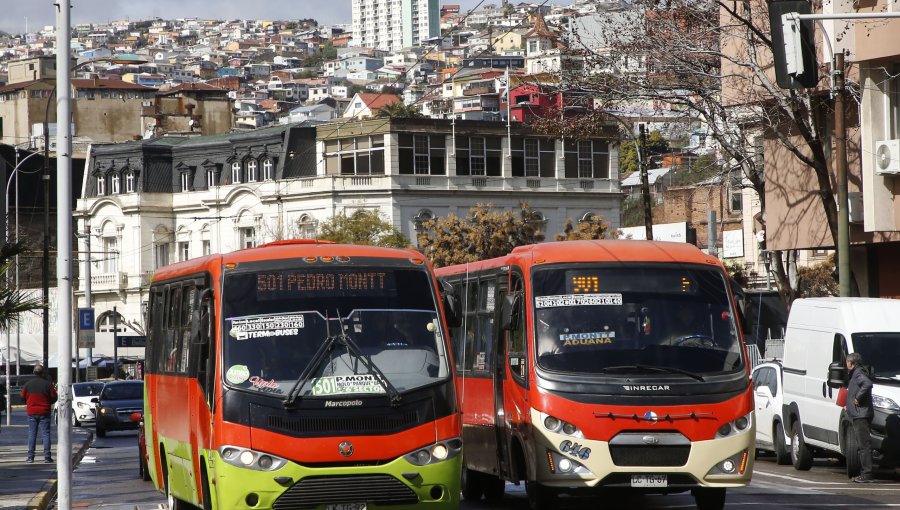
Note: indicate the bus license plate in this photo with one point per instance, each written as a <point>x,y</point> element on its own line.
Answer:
<point>346,506</point>
<point>649,481</point>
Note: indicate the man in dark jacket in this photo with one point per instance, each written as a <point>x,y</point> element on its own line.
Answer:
<point>39,395</point>
<point>860,411</point>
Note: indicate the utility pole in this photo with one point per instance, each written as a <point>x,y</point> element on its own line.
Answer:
<point>840,169</point>
<point>45,255</point>
<point>115,343</point>
<point>645,183</point>
<point>88,297</point>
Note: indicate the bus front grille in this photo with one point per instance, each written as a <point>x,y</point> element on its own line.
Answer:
<point>649,456</point>
<point>313,491</point>
<point>360,424</point>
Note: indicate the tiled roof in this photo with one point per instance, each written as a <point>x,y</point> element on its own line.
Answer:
<point>376,101</point>
<point>108,84</point>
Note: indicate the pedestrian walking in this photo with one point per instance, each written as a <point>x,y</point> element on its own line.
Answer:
<point>39,395</point>
<point>860,411</point>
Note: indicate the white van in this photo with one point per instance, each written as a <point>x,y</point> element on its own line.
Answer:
<point>820,333</point>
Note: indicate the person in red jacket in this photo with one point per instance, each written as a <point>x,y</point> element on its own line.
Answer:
<point>39,395</point>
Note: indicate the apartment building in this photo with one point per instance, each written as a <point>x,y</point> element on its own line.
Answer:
<point>394,24</point>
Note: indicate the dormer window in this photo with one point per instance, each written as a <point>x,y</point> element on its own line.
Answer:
<point>251,171</point>
<point>210,177</point>
<point>129,182</point>
<point>268,168</point>
<point>185,181</point>
<point>236,172</point>
<point>101,185</point>
<point>115,184</point>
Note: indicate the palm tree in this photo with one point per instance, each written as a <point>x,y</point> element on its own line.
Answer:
<point>398,110</point>
<point>12,300</point>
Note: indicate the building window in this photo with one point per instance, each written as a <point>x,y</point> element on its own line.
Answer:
<point>210,177</point>
<point>251,170</point>
<point>129,182</point>
<point>207,247</point>
<point>533,157</point>
<point>268,175</point>
<point>248,237</point>
<point>162,255</point>
<point>184,250</point>
<point>110,255</point>
<point>307,227</point>
<point>363,155</point>
<point>114,180</point>
<point>478,155</point>
<point>422,154</point>
<point>236,172</point>
<point>894,101</point>
<point>101,185</point>
<point>185,181</point>
<point>587,159</point>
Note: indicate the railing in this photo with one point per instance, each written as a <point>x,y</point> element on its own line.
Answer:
<point>106,281</point>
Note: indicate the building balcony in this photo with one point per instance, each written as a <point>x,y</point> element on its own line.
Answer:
<point>443,182</point>
<point>109,281</point>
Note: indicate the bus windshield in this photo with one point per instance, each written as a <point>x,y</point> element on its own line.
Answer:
<point>636,319</point>
<point>275,322</point>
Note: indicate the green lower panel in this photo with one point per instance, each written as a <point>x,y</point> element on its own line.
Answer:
<point>235,488</point>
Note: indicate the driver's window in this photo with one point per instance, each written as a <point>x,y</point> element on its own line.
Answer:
<point>517,345</point>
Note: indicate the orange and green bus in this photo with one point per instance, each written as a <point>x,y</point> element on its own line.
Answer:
<point>301,374</point>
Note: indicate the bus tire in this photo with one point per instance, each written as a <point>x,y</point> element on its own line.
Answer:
<point>204,486</point>
<point>782,454</point>
<point>472,486</point>
<point>143,469</point>
<point>851,452</point>
<point>494,487</point>
<point>174,503</point>
<point>801,456</point>
<point>540,497</point>
<point>709,499</point>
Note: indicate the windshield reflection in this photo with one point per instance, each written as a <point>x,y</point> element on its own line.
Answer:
<point>880,354</point>
<point>591,319</point>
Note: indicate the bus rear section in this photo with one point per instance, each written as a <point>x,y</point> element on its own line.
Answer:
<point>602,365</point>
<point>334,387</point>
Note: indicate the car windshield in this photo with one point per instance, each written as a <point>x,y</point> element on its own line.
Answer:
<point>638,319</point>
<point>87,389</point>
<point>273,332</point>
<point>879,352</point>
<point>123,392</point>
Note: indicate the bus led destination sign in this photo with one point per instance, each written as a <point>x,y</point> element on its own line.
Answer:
<point>326,283</point>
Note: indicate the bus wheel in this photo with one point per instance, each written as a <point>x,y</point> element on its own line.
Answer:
<point>174,503</point>
<point>143,470</point>
<point>539,496</point>
<point>472,486</point>
<point>709,499</point>
<point>207,496</point>
<point>494,487</point>
<point>801,456</point>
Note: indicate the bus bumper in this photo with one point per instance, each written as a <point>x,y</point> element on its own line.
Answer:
<point>707,464</point>
<point>432,486</point>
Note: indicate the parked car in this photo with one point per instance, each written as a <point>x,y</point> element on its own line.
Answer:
<point>83,409</point>
<point>115,405</point>
<point>767,394</point>
<point>143,470</point>
<point>820,334</point>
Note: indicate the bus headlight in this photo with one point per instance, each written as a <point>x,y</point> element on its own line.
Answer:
<point>735,427</point>
<point>884,403</point>
<point>734,465</point>
<point>561,465</point>
<point>435,453</point>
<point>557,426</point>
<point>250,459</point>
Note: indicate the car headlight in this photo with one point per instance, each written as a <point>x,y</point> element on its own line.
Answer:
<point>104,410</point>
<point>435,453</point>
<point>884,403</point>
<point>736,426</point>
<point>81,405</point>
<point>557,426</point>
<point>250,459</point>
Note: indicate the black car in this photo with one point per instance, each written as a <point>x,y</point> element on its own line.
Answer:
<point>117,401</point>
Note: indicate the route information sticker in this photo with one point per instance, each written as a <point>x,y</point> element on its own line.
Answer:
<point>577,300</point>
<point>265,327</point>
<point>346,384</point>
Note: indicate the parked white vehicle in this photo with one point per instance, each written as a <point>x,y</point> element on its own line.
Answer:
<point>820,334</point>
<point>767,394</point>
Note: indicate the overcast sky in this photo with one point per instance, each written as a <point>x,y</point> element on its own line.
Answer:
<point>42,12</point>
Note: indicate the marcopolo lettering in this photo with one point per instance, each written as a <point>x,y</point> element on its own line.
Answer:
<point>647,387</point>
<point>343,403</point>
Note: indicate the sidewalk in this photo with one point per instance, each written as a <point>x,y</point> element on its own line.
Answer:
<point>30,486</point>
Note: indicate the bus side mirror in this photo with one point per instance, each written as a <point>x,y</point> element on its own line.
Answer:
<point>451,310</point>
<point>509,312</point>
<point>837,375</point>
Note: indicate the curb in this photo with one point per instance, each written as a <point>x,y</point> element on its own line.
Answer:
<point>48,492</point>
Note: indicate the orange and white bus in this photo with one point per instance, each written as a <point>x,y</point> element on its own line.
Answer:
<point>301,374</point>
<point>596,364</point>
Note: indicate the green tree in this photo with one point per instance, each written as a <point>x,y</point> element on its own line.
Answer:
<point>594,228</point>
<point>328,51</point>
<point>484,233</point>
<point>12,301</point>
<point>362,227</point>
<point>628,161</point>
<point>398,110</point>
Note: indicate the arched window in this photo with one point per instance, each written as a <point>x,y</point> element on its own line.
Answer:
<point>115,179</point>
<point>129,182</point>
<point>307,226</point>
<point>421,217</point>
<point>107,323</point>
<point>236,172</point>
<point>268,170</point>
<point>251,171</point>
<point>587,217</point>
<point>101,185</point>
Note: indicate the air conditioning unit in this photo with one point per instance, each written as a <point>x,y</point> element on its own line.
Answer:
<point>887,157</point>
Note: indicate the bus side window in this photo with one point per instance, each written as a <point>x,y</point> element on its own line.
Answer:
<point>188,296</point>
<point>484,345</point>
<point>206,346</point>
<point>173,339</point>
<point>516,338</point>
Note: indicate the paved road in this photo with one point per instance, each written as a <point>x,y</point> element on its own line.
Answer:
<point>108,479</point>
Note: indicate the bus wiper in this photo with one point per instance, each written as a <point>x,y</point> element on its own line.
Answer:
<point>653,368</point>
<point>324,350</point>
<point>347,341</point>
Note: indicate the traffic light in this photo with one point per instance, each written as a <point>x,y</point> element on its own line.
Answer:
<point>793,45</point>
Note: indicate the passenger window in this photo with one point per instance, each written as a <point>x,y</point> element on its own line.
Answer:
<point>757,375</point>
<point>772,382</point>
